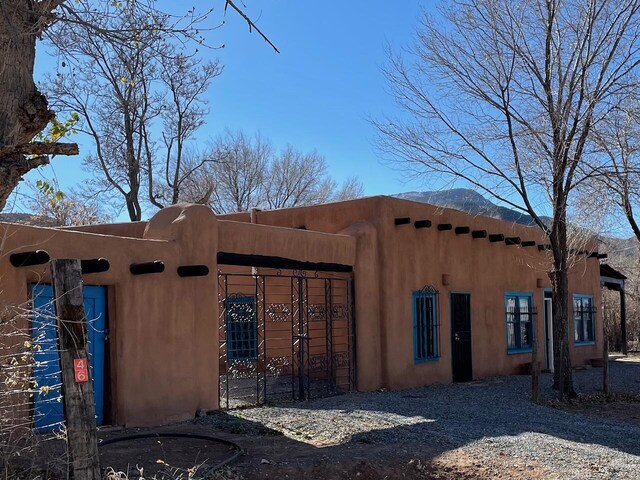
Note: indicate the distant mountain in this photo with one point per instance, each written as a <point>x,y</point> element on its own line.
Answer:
<point>624,254</point>
<point>469,201</point>
<point>27,219</point>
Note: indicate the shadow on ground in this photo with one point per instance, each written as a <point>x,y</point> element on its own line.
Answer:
<point>425,423</point>
<point>483,429</point>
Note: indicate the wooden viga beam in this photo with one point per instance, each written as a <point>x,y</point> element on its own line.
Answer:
<point>94,265</point>
<point>28,259</point>
<point>145,268</point>
<point>40,148</point>
<point>422,224</point>
<point>193,271</point>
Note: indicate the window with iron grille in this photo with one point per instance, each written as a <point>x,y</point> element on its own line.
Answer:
<point>583,319</point>
<point>425,326</point>
<point>242,328</point>
<point>518,312</point>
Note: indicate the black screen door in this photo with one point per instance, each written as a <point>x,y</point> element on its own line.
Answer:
<point>461,337</point>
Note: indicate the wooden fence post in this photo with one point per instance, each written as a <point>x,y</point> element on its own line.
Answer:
<point>605,367</point>
<point>535,371</point>
<point>77,388</point>
<point>560,372</point>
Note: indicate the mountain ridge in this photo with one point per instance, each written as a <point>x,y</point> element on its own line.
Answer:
<point>469,201</point>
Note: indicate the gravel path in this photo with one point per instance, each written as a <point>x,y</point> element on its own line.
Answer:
<point>487,421</point>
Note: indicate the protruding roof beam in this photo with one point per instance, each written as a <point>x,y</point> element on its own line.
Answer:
<point>422,224</point>
<point>95,265</point>
<point>146,267</point>
<point>193,270</point>
<point>28,259</point>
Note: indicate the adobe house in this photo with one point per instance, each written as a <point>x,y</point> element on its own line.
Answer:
<point>199,312</point>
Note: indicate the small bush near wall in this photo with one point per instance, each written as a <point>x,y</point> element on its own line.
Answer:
<point>24,453</point>
<point>613,334</point>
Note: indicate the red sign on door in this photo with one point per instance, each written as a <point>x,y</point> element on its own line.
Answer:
<point>80,369</point>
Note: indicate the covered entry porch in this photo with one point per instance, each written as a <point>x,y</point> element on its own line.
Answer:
<point>613,280</point>
<point>285,319</point>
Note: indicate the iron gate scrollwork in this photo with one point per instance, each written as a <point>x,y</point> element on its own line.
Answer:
<point>284,337</point>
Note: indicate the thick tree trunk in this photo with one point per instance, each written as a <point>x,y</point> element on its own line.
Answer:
<point>23,109</point>
<point>563,377</point>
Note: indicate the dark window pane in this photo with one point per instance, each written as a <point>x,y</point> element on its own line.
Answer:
<point>242,335</point>
<point>430,327</point>
<point>519,320</point>
<point>425,327</point>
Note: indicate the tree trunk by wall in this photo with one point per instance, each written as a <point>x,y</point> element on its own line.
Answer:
<point>23,109</point>
<point>562,378</point>
<point>605,367</point>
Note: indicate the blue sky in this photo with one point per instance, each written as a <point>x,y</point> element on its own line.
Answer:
<point>318,93</point>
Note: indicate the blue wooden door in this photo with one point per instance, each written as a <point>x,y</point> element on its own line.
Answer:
<point>47,401</point>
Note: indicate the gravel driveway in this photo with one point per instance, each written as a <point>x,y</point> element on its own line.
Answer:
<point>490,422</point>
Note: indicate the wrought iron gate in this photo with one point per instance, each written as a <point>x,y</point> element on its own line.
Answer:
<point>284,337</point>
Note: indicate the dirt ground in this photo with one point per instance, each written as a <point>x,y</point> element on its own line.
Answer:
<point>627,411</point>
<point>623,408</point>
<point>271,455</point>
<point>396,435</point>
<point>268,454</point>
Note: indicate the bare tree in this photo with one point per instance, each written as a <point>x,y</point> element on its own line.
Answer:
<point>185,80</point>
<point>296,178</point>
<point>64,209</point>
<point>350,189</point>
<point>506,96</point>
<point>618,140</point>
<point>121,90</point>
<point>241,172</point>
<point>24,110</point>
<point>237,171</point>
<point>110,86</point>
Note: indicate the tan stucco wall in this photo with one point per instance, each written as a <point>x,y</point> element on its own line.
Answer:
<point>162,327</point>
<point>410,258</point>
<point>304,245</point>
<point>129,229</point>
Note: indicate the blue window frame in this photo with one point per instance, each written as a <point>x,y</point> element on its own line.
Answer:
<point>425,326</point>
<point>583,320</point>
<point>242,328</point>
<point>518,313</point>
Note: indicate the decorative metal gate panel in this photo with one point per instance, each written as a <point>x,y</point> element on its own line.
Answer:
<point>284,337</point>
